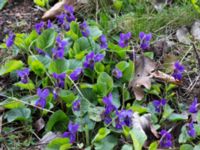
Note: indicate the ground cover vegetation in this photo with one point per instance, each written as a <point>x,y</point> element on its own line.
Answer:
<point>110,75</point>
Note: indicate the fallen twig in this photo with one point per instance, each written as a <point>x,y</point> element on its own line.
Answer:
<point>197,55</point>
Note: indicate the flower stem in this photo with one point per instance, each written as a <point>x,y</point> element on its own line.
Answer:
<point>87,136</point>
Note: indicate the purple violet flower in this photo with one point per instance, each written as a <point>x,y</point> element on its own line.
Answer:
<point>76,105</point>
<point>84,29</point>
<point>61,18</point>
<point>60,78</point>
<point>109,108</point>
<point>159,104</point>
<point>71,133</point>
<point>55,95</point>
<point>66,26</point>
<point>23,74</point>
<point>76,73</point>
<point>59,51</point>
<point>108,103</point>
<point>124,39</point>
<point>40,51</point>
<point>91,59</point>
<point>124,118</point>
<point>60,43</point>
<point>39,26</point>
<point>166,139</point>
<point>178,70</point>
<point>194,106</point>
<point>117,73</point>
<point>190,130</point>
<point>69,13</point>
<point>42,94</point>
<point>49,24</point>
<point>145,40</point>
<point>103,42</point>
<point>10,39</point>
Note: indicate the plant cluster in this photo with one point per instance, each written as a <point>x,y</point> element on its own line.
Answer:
<point>74,73</point>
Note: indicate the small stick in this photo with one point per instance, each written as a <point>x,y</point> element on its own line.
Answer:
<point>197,55</point>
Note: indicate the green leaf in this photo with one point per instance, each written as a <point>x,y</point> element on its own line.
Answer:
<point>177,117</point>
<point>95,113</point>
<point>10,66</point>
<point>149,54</point>
<point>122,65</point>
<point>197,147</point>
<point>99,67</point>
<point>186,147</point>
<point>167,112</point>
<point>29,86</point>
<point>46,40</point>
<point>170,87</point>
<point>153,146</point>
<point>57,122</point>
<point>116,97</point>
<point>40,3</point>
<point>3,3</point>
<point>138,108</point>
<point>36,66</point>
<point>69,64</point>
<point>95,32</point>
<point>20,42</point>
<point>121,52</point>
<point>30,39</point>
<point>74,31</point>
<point>11,104</point>
<point>196,6</point>
<point>108,143</point>
<point>127,147</point>
<point>55,66</point>
<point>198,117</point>
<point>59,144</point>
<point>67,96</point>
<point>104,84</point>
<point>81,44</point>
<point>18,114</point>
<point>183,137</point>
<point>85,123</point>
<point>197,129</point>
<point>138,138</point>
<point>118,4</point>
<point>89,94</point>
<point>45,60</point>
<point>126,131</point>
<point>128,72</point>
<point>102,133</point>
<point>155,89</point>
<point>65,146</point>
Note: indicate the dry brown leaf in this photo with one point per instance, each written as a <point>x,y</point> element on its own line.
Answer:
<point>169,60</point>
<point>164,77</point>
<point>145,71</point>
<point>182,35</point>
<point>195,30</point>
<point>160,4</point>
<point>144,67</point>
<point>57,9</point>
<point>143,123</point>
<point>39,124</point>
<point>49,136</point>
<point>1,123</point>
